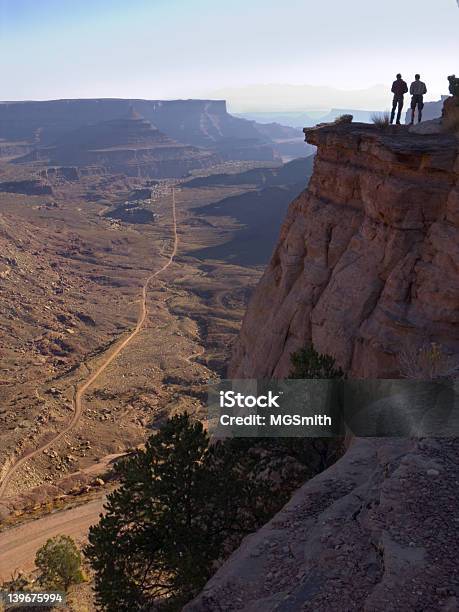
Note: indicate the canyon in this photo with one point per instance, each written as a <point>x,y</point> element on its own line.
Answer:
<point>123,291</point>
<point>203,124</point>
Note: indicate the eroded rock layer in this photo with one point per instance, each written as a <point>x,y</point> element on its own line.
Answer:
<point>368,257</point>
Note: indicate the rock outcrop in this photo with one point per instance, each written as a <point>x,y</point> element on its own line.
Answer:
<point>367,260</point>
<point>368,257</point>
<point>375,532</point>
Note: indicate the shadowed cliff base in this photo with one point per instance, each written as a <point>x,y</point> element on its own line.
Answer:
<point>259,212</point>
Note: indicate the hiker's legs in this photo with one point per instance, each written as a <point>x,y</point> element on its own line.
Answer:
<point>400,108</point>
<point>420,107</point>
<point>414,103</point>
<point>397,102</point>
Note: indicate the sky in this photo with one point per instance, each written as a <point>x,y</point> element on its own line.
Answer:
<point>165,49</point>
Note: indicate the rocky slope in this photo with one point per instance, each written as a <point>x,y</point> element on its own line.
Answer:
<point>375,532</point>
<point>367,260</point>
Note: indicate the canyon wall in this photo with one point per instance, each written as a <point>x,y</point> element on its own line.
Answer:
<point>202,123</point>
<point>367,261</point>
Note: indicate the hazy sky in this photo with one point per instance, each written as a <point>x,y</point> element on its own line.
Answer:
<point>191,48</point>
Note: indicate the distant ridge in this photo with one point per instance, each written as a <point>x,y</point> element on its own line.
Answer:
<point>201,123</point>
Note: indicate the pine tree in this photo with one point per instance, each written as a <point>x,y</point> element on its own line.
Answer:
<point>179,504</point>
<point>59,562</point>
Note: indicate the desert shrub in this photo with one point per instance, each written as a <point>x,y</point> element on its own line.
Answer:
<point>428,361</point>
<point>59,562</point>
<point>344,119</point>
<point>19,581</point>
<point>308,363</point>
<point>381,120</point>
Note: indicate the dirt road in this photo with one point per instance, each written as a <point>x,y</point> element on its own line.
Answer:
<point>19,544</point>
<point>93,376</point>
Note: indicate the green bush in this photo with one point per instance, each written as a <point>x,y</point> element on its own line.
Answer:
<point>59,562</point>
<point>308,363</point>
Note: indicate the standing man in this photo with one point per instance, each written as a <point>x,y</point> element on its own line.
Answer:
<point>399,89</point>
<point>417,90</point>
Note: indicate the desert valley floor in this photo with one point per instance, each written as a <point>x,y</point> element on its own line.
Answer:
<point>85,376</point>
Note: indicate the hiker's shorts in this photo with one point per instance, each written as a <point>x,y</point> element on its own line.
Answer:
<point>418,101</point>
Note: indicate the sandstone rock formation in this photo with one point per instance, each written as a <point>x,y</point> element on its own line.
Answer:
<point>129,145</point>
<point>367,260</point>
<point>202,123</point>
<point>450,117</point>
<point>375,532</point>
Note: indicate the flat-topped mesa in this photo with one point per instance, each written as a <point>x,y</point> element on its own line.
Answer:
<point>368,256</point>
<point>128,144</point>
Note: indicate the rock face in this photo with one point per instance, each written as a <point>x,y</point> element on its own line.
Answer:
<point>367,260</point>
<point>372,533</point>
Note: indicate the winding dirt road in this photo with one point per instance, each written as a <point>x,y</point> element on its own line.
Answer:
<point>18,545</point>
<point>109,357</point>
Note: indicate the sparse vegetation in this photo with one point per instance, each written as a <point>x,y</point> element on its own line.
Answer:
<point>381,120</point>
<point>308,363</point>
<point>182,507</point>
<point>429,361</point>
<point>181,504</point>
<point>59,562</point>
<point>344,119</point>
<point>19,581</point>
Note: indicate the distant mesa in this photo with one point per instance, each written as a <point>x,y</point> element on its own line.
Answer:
<point>129,145</point>
<point>61,173</point>
<point>199,123</point>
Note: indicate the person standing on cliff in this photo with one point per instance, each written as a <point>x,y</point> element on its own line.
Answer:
<point>417,91</point>
<point>399,89</point>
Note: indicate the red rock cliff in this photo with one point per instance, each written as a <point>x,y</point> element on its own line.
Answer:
<point>368,256</point>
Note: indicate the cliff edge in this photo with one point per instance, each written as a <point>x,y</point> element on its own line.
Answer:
<point>368,256</point>
<point>375,532</point>
<point>367,262</point>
